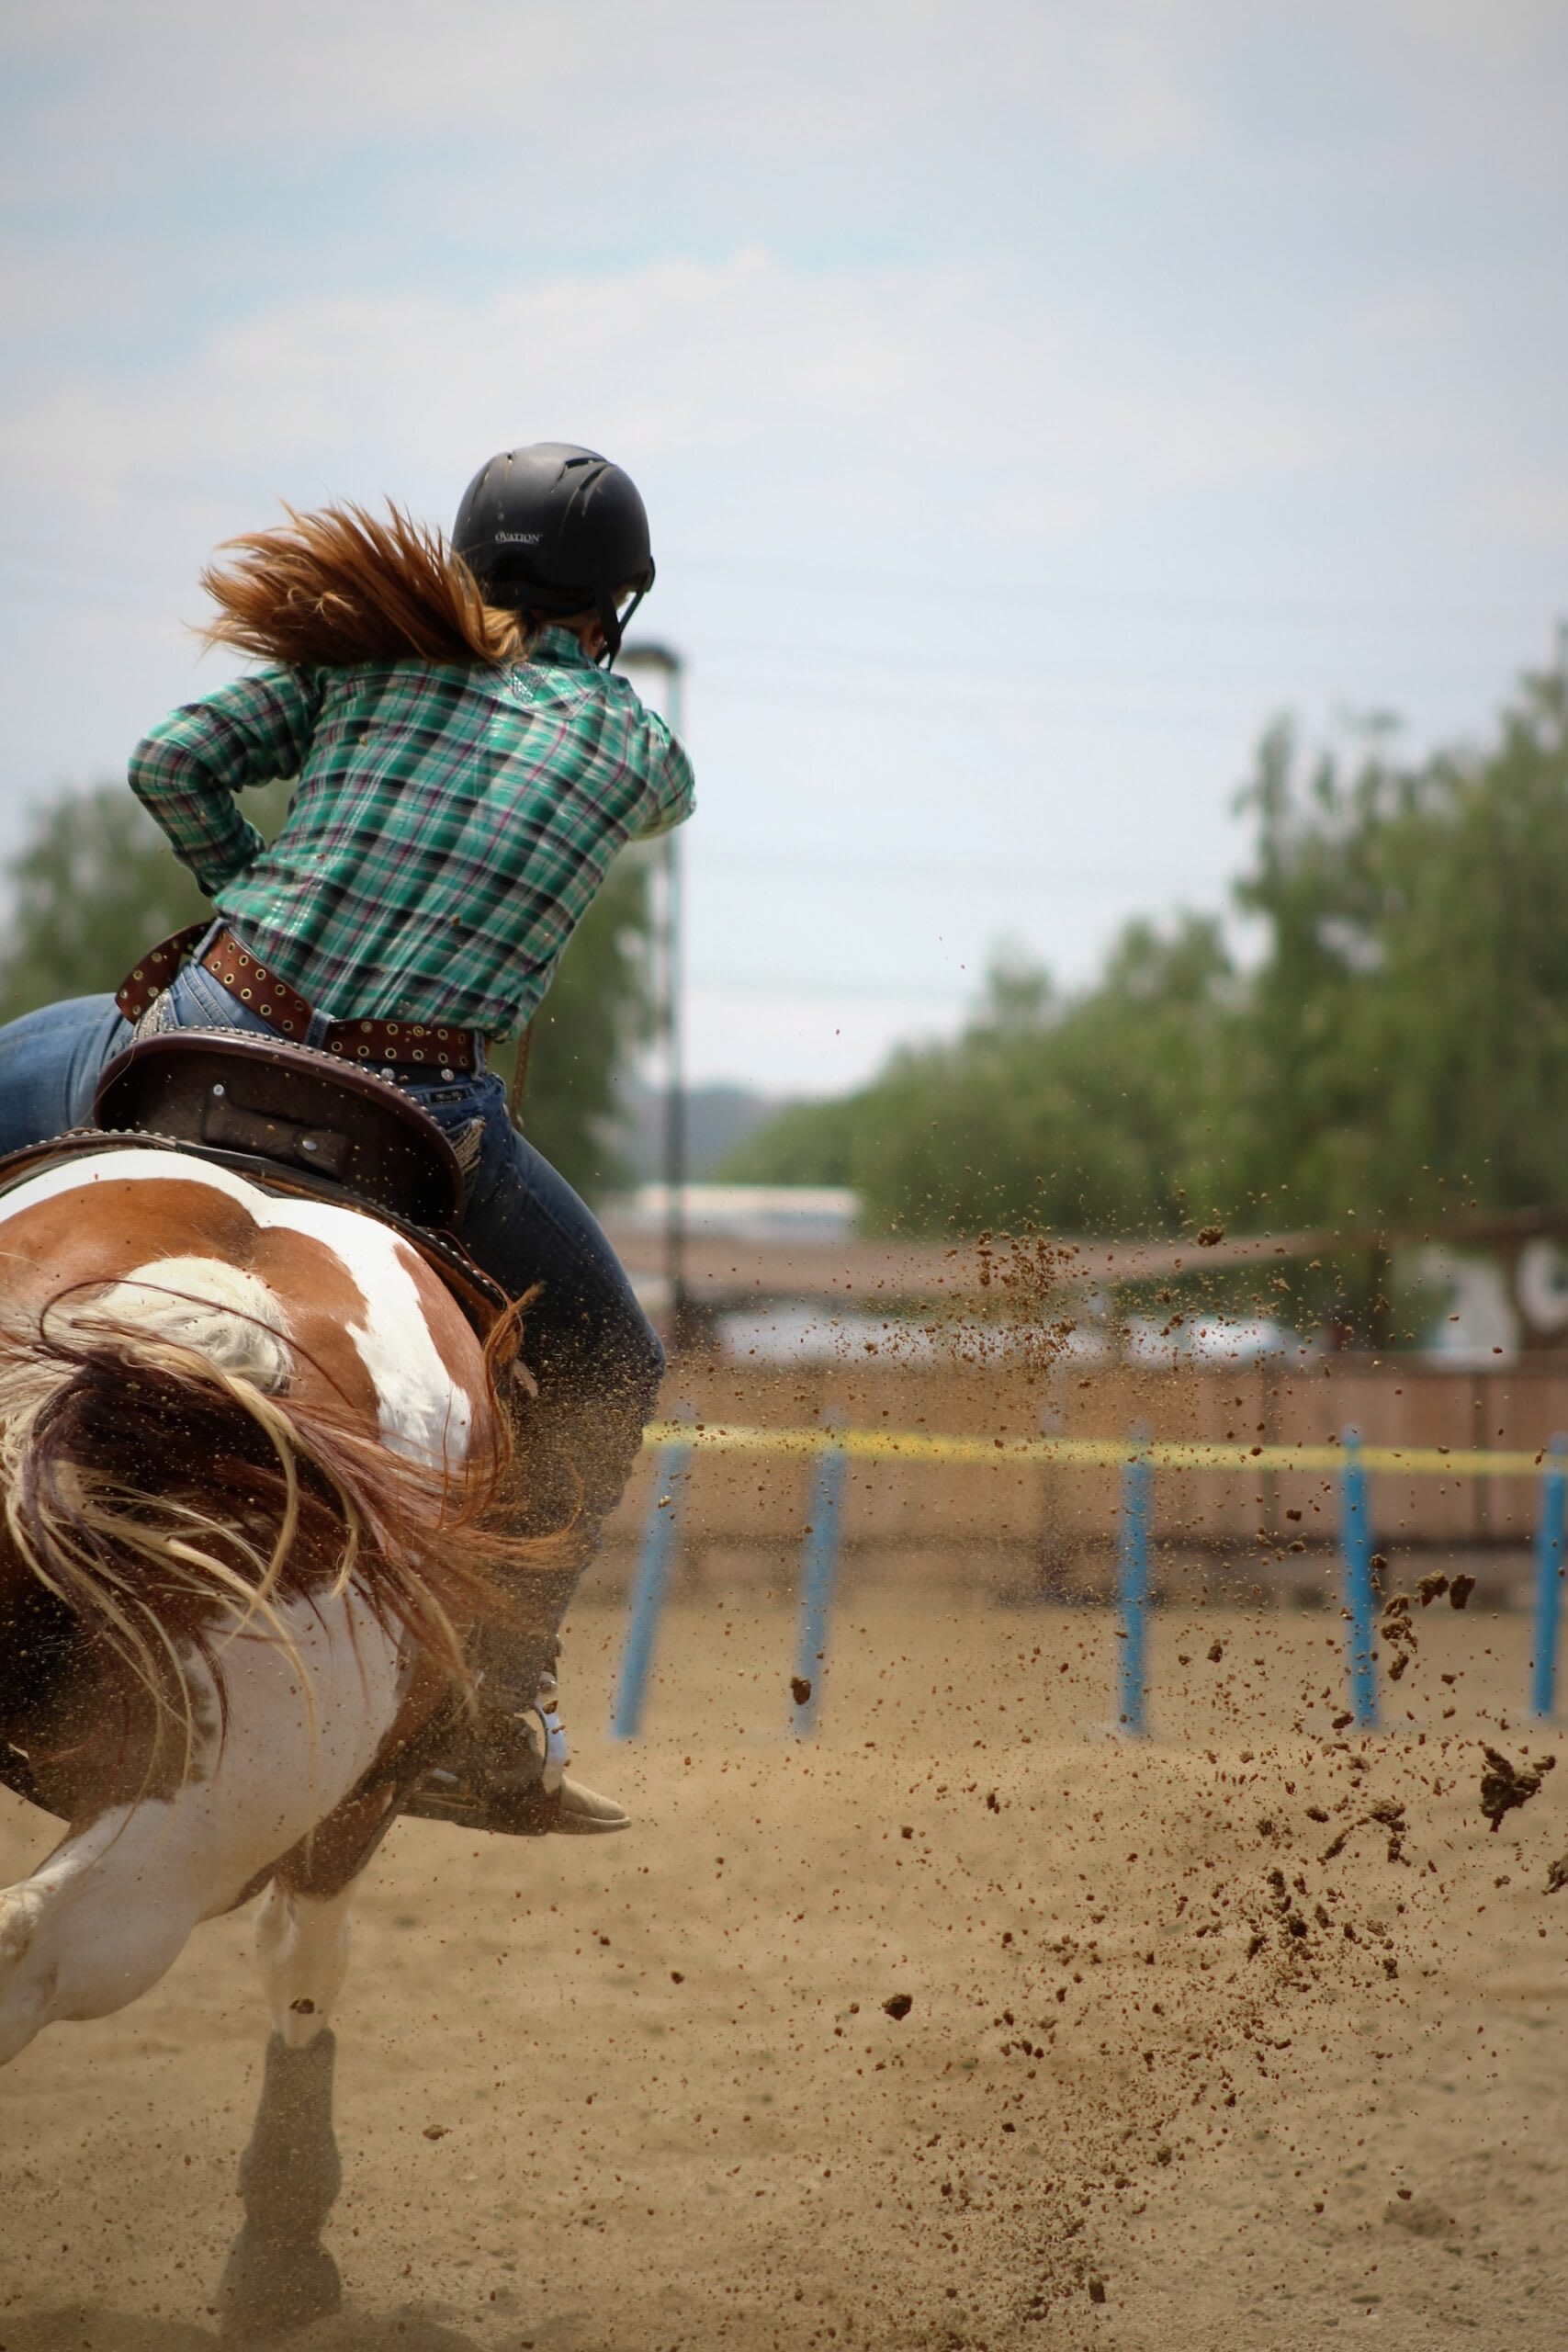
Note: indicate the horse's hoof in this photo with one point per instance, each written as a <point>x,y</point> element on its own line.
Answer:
<point>270,2290</point>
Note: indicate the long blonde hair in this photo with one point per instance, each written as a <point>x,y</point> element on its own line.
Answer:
<point>342,585</point>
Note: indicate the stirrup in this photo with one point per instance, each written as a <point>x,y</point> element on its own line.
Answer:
<point>505,1772</point>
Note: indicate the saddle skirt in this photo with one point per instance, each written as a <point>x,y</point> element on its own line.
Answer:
<point>292,1120</point>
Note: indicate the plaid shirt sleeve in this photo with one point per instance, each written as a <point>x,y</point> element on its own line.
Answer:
<point>672,787</point>
<point>187,772</point>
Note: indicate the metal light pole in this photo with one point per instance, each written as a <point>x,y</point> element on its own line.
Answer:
<point>662,662</point>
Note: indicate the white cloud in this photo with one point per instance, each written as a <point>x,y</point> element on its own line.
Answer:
<point>530,86</point>
<point>932,408</point>
<point>539,94</point>
<point>891,307</point>
<point>1487,81</point>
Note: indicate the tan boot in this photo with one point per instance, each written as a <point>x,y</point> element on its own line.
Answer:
<point>585,1814</point>
<point>505,1772</point>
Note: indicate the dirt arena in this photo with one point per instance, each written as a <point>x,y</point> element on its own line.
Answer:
<point>1250,2036</point>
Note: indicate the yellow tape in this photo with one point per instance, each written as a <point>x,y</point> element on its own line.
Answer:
<point>1091,1453</point>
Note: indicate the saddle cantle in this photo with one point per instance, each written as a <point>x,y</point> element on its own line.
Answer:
<point>231,1091</point>
<point>293,1121</point>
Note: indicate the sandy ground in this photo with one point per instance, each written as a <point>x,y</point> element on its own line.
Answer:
<point>1172,2075</point>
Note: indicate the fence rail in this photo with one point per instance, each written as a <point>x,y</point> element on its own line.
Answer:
<point>830,1448</point>
<point>1096,1453</point>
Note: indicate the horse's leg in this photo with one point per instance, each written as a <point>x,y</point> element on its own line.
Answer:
<point>302,1944</point>
<point>279,2275</point>
<point>96,1924</point>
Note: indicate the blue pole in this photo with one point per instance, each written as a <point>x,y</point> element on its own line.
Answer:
<point>1357,1537</point>
<point>1137,1479</point>
<point>1549,1580</point>
<point>818,1575</point>
<point>649,1586</point>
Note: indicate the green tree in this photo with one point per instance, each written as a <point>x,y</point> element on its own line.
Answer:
<point>1400,1042</point>
<point>808,1143</point>
<point>1082,1113</point>
<point>94,884</point>
<point>1407,1028</point>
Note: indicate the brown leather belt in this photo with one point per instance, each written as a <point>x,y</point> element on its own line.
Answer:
<point>401,1044</point>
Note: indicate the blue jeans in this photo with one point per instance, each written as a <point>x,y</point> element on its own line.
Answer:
<point>50,1062</point>
<point>592,1351</point>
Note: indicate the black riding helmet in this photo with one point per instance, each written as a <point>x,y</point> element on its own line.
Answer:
<point>553,528</point>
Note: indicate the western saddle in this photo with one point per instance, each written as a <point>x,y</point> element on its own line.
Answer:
<point>293,1120</point>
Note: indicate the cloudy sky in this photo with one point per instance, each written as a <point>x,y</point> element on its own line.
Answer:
<point>1030,397</point>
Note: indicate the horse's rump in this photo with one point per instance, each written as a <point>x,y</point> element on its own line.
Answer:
<point>170,1482</point>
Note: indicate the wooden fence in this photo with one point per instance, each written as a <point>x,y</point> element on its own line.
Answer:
<point>737,1499</point>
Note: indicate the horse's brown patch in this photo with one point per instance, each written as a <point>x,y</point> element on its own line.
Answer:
<point>323,1301</point>
<point>96,1233</point>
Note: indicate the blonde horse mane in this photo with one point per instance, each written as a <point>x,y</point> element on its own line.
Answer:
<point>162,1483</point>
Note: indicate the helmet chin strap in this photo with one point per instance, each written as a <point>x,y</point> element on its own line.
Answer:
<point>614,625</point>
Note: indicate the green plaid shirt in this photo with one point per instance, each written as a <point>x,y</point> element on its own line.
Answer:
<point>449,830</point>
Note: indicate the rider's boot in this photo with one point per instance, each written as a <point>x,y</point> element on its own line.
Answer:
<point>503,1767</point>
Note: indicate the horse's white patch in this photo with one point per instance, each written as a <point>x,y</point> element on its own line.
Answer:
<point>422,1413</point>
<point>111,1910</point>
<point>220,1311</point>
<point>302,1946</point>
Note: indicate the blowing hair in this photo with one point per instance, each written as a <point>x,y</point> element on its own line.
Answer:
<point>342,585</point>
<point>171,1502</point>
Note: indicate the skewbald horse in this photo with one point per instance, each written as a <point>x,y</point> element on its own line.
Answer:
<point>255,1470</point>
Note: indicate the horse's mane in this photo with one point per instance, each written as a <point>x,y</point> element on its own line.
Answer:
<point>168,1501</point>
<point>342,585</point>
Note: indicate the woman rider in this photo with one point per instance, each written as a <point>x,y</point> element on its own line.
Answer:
<point>466,772</point>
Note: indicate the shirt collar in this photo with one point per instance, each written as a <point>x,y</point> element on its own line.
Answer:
<point>561,645</point>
